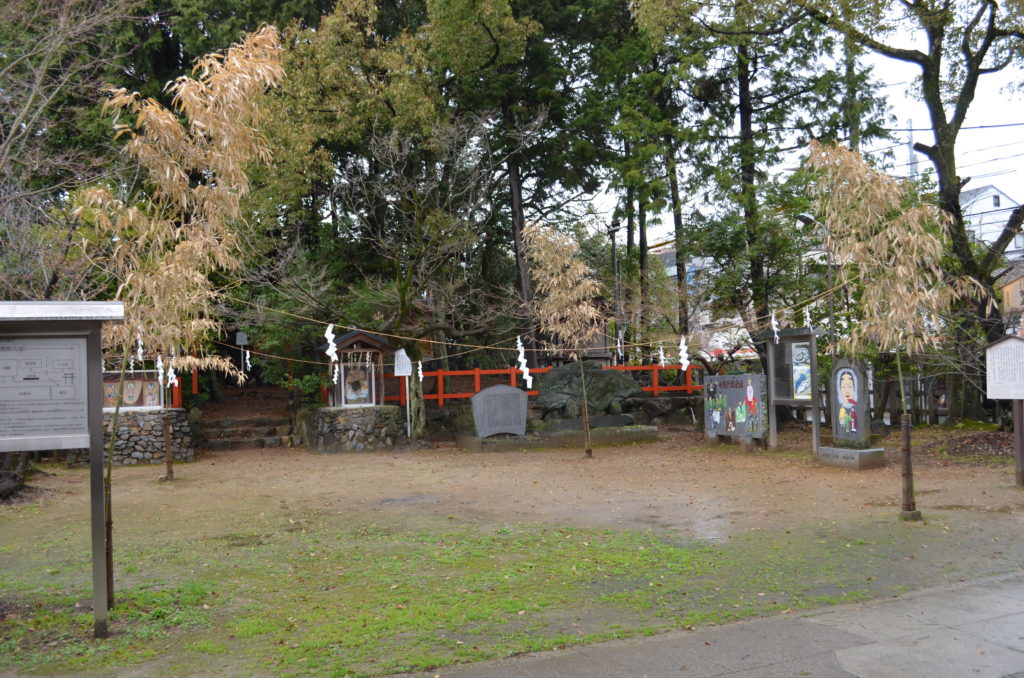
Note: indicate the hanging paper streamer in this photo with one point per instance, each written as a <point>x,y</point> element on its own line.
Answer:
<point>337,372</point>
<point>661,356</point>
<point>331,350</point>
<point>172,378</point>
<point>684,354</point>
<point>419,368</point>
<point>160,369</point>
<point>775,327</point>
<point>248,365</point>
<point>807,317</point>
<point>138,350</point>
<point>522,363</point>
<point>619,347</point>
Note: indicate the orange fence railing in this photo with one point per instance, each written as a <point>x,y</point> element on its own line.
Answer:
<point>512,376</point>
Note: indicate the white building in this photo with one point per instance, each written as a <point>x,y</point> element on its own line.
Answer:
<point>986,210</point>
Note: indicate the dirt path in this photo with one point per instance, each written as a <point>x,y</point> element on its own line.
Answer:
<point>672,485</point>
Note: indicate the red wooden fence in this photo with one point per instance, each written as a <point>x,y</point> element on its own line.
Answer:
<point>514,375</point>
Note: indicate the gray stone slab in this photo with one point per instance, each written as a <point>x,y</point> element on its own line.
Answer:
<point>1007,631</point>
<point>955,608</point>
<point>766,642</point>
<point>944,654</point>
<point>848,458</point>
<point>823,665</point>
<point>499,409</point>
<point>1012,587</point>
<point>875,623</point>
<point>660,657</point>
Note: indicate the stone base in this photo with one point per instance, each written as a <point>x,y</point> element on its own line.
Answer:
<point>847,458</point>
<point>353,429</point>
<point>623,435</point>
<point>746,443</point>
<point>140,438</point>
<point>596,421</point>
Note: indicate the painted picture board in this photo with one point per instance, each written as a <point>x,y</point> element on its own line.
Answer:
<point>735,405</point>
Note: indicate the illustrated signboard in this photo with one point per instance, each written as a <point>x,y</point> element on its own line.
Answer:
<point>850,414</point>
<point>357,384</point>
<point>43,393</point>
<point>140,390</point>
<point>801,368</point>
<point>735,405</point>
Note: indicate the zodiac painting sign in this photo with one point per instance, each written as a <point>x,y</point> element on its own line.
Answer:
<point>846,392</point>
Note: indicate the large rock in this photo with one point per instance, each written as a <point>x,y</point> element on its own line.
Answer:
<point>561,390</point>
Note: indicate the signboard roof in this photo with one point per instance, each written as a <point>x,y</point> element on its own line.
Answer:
<point>23,311</point>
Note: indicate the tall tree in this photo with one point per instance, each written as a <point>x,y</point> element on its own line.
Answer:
<point>955,45</point>
<point>52,61</point>
<point>762,87</point>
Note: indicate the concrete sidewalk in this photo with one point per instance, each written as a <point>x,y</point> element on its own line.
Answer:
<point>970,629</point>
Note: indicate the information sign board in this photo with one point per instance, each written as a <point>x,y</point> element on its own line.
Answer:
<point>43,398</point>
<point>403,365</point>
<point>1005,369</point>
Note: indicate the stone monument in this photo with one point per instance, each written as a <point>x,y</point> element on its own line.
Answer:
<point>499,409</point>
<point>851,420</point>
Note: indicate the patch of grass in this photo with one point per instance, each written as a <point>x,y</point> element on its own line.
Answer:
<point>55,630</point>
<point>334,598</point>
<point>972,425</point>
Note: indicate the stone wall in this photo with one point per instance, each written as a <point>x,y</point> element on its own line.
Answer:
<point>353,429</point>
<point>140,438</point>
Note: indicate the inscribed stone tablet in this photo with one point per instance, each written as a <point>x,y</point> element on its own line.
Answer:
<point>499,409</point>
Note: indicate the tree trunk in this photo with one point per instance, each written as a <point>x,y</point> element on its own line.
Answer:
<point>522,266</point>
<point>168,449</point>
<point>682,284</point>
<point>642,246</point>
<point>748,187</point>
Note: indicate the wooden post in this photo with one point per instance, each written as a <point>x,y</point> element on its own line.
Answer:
<point>512,377</point>
<point>440,387</point>
<point>1018,439</point>
<point>815,398</point>
<point>176,397</point>
<point>476,380</point>
<point>403,390</point>
<point>909,507</point>
<point>655,378</point>
<point>689,379</point>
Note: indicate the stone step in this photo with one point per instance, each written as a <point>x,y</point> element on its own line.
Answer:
<point>248,443</point>
<point>234,422</point>
<point>247,432</point>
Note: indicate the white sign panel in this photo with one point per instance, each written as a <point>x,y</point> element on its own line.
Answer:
<point>43,398</point>
<point>1005,367</point>
<point>403,366</point>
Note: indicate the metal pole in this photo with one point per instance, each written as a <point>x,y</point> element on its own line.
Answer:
<point>773,425</point>
<point>94,384</point>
